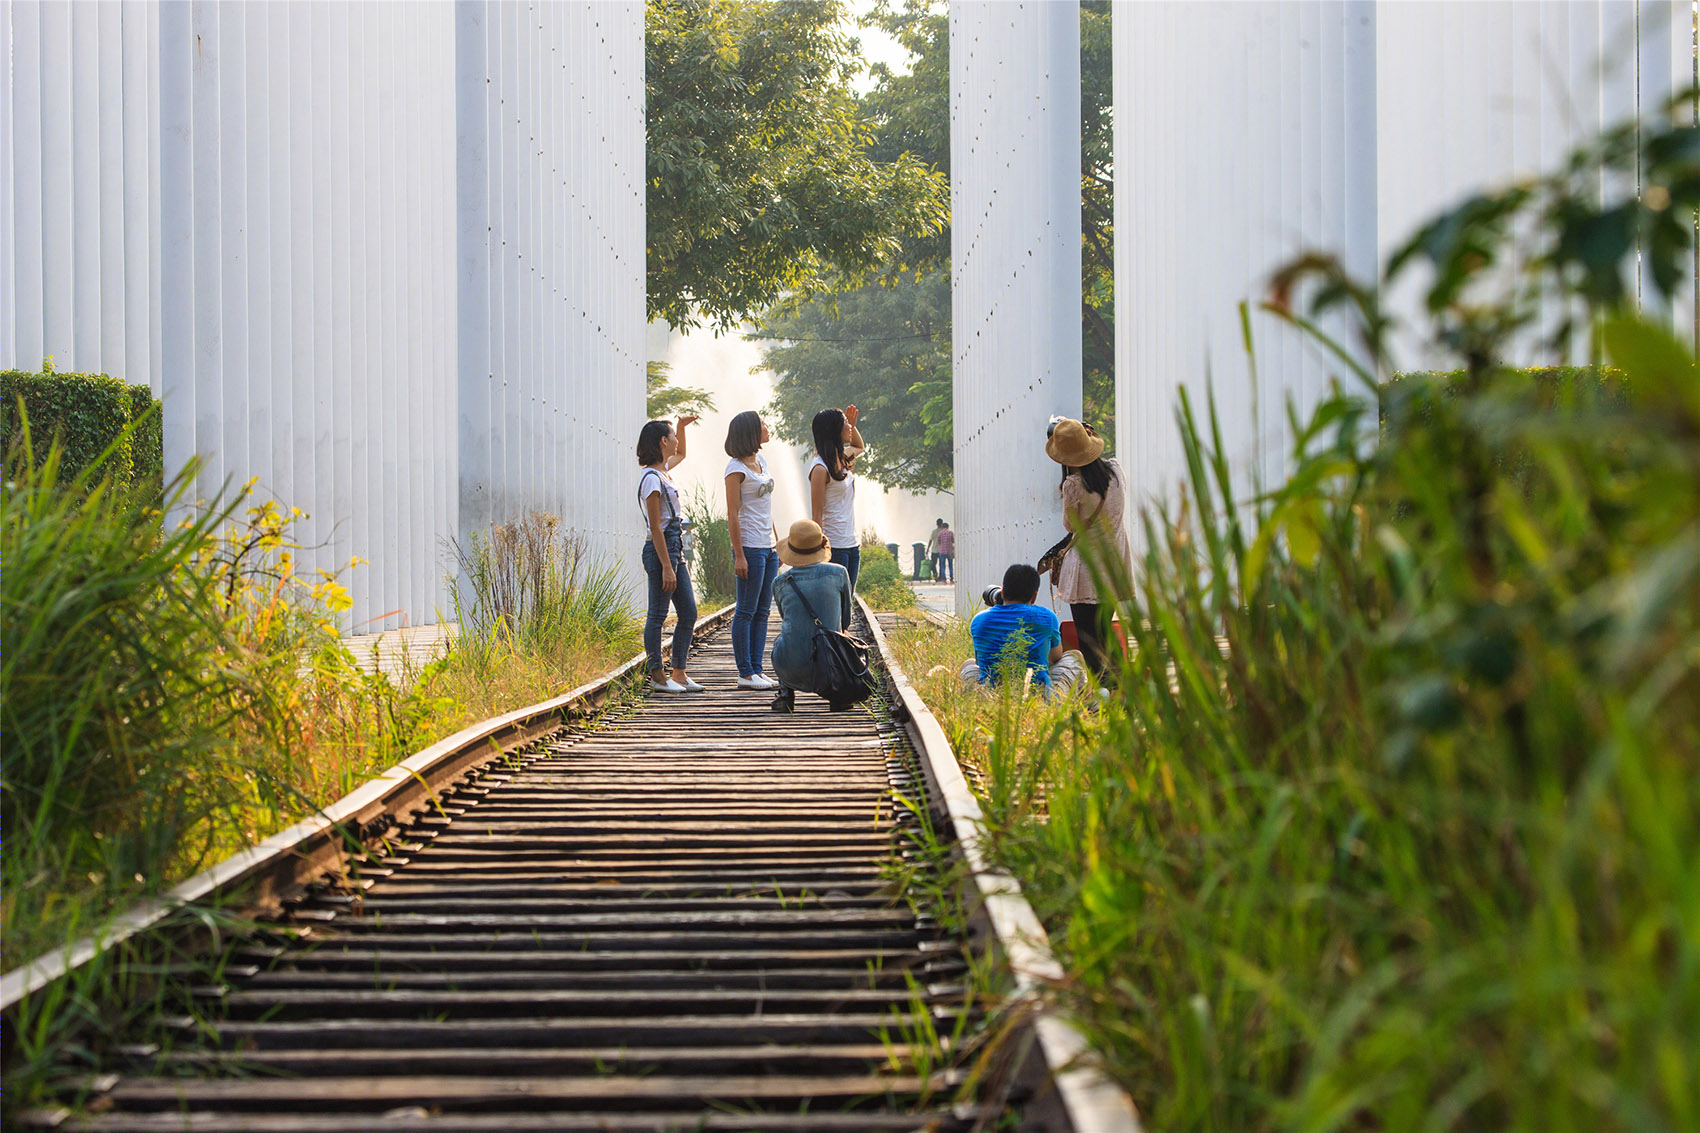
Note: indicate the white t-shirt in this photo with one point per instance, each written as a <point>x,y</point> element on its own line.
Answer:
<point>838,518</point>
<point>650,482</point>
<point>755,502</point>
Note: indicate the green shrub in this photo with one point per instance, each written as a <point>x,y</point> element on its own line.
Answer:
<point>147,441</point>
<point>1414,393</point>
<point>715,573</point>
<point>90,413</point>
<point>882,581</point>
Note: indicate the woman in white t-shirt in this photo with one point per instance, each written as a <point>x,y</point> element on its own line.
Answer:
<point>832,485</point>
<point>749,522</point>
<point>660,449</point>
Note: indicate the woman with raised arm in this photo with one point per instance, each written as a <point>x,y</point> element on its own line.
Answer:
<point>832,485</point>
<point>749,523</point>
<point>660,449</point>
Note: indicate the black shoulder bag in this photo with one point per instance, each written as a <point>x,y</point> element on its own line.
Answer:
<point>841,661</point>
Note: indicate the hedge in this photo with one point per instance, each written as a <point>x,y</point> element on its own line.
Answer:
<point>89,412</point>
<point>1592,383</point>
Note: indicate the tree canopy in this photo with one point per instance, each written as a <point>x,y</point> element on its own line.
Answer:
<point>886,343</point>
<point>888,350</point>
<point>761,183</point>
<point>668,400</point>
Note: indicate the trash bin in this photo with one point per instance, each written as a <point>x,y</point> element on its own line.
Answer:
<point>891,549</point>
<point>920,552</point>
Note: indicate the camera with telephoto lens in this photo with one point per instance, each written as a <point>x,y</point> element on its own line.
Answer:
<point>992,595</point>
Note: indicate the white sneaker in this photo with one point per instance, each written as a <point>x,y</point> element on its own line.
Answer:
<point>753,682</point>
<point>668,685</point>
<point>692,686</point>
<point>766,681</point>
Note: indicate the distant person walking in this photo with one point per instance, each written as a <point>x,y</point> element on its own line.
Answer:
<point>1094,499</point>
<point>832,485</point>
<point>659,450</point>
<point>941,545</point>
<point>749,522</point>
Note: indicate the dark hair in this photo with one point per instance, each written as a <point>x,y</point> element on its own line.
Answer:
<point>743,435</point>
<point>649,441</point>
<point>1094,477</point>
<point>1020,584</point>
<point>941,521</point>
<point>828,427</point>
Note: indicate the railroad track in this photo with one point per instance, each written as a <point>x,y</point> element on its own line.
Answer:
<point>676,917</point>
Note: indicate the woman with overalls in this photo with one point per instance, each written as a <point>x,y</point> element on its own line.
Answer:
<point>660,449</point>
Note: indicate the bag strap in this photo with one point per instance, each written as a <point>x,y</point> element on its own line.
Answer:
<point>1073,534</point>
<point>798,591</point>
<point>1102,500</point>
<point>668,500</point>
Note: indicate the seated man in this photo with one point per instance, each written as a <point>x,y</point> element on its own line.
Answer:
<point>1015,630</point>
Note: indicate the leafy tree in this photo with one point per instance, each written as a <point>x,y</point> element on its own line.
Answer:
<point>1097,221</point>
<point>887,349</point>
<point>760,181</point>
<point>906,379</point>
<point>669,400</point>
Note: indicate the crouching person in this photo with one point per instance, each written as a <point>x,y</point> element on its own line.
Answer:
<point>811,583</point>
<point>1017,629</point>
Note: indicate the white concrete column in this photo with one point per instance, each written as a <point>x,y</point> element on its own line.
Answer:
<point>1015,256</point>
<point>472,211</point>
<point>25,341</point>
<point>1293,86</point>
<point>176,196</point>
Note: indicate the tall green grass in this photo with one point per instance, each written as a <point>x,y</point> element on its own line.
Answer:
<point>1393,821</point>
<point>172,692</point>
<point>533,586</point>
<point>713,568</point>
<point>1417,849</point>
<point>121,687</point>
<point>538,615</point>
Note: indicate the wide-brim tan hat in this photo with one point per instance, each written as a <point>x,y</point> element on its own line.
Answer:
<point>805,544</point>
<point>1074,443</point>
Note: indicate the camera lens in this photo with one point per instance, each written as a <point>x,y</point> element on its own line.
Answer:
<point>991,595</point>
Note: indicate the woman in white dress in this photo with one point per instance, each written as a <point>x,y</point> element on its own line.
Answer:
<point>1094,499</point>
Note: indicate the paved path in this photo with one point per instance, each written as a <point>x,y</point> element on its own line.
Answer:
<point>939,597</point>
<point>397,650</point>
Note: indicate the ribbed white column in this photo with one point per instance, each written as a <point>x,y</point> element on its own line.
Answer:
<point>1267,108</point>
<point>550,265</point>
<point>250,207</point>
<point>1015,254</point>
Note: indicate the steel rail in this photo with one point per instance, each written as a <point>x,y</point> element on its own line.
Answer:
<point>615,928</point>
<point>280,867</point>
<point>683,915</point>
<point>1084,1099</point>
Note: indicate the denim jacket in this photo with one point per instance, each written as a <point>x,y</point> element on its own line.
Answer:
<point>827,587</point>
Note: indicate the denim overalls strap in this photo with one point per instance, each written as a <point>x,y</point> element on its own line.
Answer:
<point>665,498</point>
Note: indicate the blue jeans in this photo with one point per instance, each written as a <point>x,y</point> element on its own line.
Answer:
<point>684,601</point>
<point>850,558</point>
<point>755,599</point>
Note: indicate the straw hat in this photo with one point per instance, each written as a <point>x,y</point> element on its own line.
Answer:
<point>804,544</point>
<point>1073,443</point>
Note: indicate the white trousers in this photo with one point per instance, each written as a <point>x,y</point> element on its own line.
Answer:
<point>1066,672</point>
